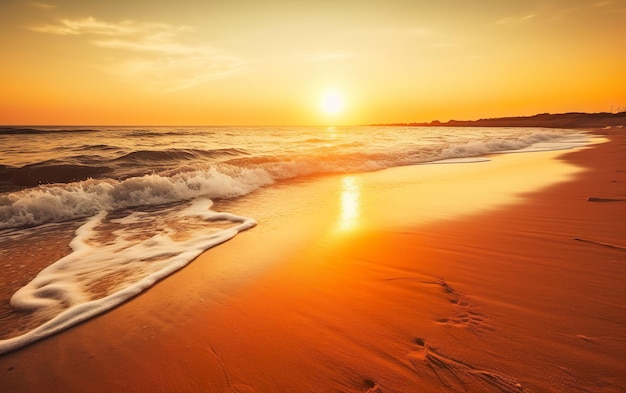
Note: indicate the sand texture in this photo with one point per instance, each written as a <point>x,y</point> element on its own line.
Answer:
<point>499,276</point>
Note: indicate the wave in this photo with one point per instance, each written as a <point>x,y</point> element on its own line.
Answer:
<point>178,154</point>
<point>96,148</point>
<point>479,148</point>
<point>12,178</point>
<point>82,167</point>
<point>222,180</point>
<point>164,132</point>
<point>35,131</point>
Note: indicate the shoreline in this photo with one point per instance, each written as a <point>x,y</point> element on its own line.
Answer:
<point>502,299</point>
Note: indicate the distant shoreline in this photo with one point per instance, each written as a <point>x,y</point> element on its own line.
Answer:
<point>580,120</point>
<point>562,120</point>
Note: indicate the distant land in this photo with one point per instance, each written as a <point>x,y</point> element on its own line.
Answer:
<point>548,120</point>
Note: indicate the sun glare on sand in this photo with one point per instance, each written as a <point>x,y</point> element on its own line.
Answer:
<point>332,102</point>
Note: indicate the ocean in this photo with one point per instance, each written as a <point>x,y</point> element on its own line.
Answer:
<point>92,216</point>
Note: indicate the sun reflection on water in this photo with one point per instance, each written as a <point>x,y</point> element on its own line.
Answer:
<point>350,197</point>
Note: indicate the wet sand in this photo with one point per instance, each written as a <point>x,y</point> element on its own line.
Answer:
<point>502,276</point>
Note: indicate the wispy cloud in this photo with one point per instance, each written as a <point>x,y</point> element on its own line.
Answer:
<point>44,6</point>
<point>597,6</point>
<point>515,20</point>
<point>127,28</point>
<point>562,10</point>
<point>154,52</point>
<point>603,3</point>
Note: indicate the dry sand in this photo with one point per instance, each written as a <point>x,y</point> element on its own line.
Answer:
<point>494,276</point>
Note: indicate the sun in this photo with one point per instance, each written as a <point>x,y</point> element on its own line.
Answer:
<point>332,102</point>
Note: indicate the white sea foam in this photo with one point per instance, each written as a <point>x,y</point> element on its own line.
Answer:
<point>114,260</point>
<point>498,145</point>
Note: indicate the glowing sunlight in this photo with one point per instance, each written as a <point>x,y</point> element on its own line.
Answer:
<point>332,102</point>
<point>350,203</point>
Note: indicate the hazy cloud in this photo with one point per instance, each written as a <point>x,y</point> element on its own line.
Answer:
<point>419,31</point>
<point>388,32</point>
<point>154,52</point>
<point>443,45</point>
<point>331,56</point>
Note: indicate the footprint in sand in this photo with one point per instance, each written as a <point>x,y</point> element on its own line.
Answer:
<point>471,320</point>
<point>457,375</point>
<point>372,386</point>
<point>467,317</point>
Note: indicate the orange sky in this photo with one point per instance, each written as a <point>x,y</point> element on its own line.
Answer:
<point>248,62</point>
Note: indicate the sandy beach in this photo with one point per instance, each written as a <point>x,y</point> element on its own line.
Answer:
<point>497,276</point>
